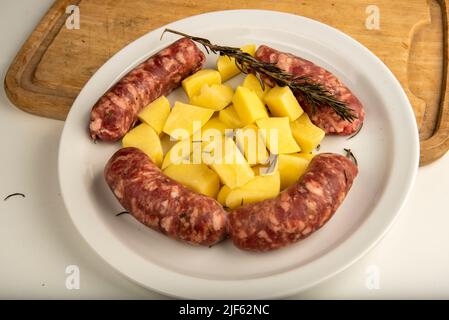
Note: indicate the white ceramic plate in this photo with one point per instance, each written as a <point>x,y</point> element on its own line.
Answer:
<point>387,151</point>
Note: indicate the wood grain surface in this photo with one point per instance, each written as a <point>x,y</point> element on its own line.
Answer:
<point>55,62</point>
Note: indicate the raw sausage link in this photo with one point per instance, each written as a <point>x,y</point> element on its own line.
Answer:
<point>324,117</point>
<point>296,212</point>
<point>116,111</point>
<point>161,203</point>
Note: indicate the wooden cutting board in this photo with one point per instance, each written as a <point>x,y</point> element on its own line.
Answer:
<point>55,62</point>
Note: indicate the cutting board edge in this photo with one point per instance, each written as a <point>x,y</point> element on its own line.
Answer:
<point>17,83</point>
<point>437,145</point>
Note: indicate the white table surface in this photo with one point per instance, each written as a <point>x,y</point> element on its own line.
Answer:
<point>38,240</point>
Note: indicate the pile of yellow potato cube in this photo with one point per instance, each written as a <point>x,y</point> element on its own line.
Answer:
<point>238,146</point>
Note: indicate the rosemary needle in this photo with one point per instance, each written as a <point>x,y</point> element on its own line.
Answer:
<point>357,132</point>
<point>120,213</point>
<point>14,195</point>
<point>313,93</point>
<point>351,156</point>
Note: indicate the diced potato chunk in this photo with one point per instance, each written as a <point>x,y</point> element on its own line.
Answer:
<point>228,162</point>
<point>234,175</point>
<point>186,117</point>
<point>192,84</point>
<point>282,103</point>
<point>179,153</point>
<point>226,66</point>
<point>145,138</point>
<point>307,135</point>
<point>223,194</point>
<point>215,97</point>
<point>156,113</point>
<point>214,123</point>
<point>258,189</point>
<point>248,105</point>
<point>291,168</point>
<point>251,82</point>
<point>198,177</point>
<point>277,135</point>
<point>230,118</point>
<point>251,143</point>
<point>249,48</point>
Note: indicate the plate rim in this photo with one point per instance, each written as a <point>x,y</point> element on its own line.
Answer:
<point>227,287</point>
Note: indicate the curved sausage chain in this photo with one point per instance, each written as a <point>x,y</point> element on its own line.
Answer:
<point>116,111</point>
<point>168,207</point>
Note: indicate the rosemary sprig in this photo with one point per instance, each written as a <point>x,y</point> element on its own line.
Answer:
<point>312,92</point>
